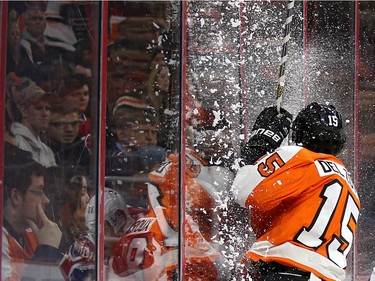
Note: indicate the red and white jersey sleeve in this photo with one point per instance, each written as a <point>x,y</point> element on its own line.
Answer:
<point>79,261</point>
<point>304,210</point>
<point>143,252</point>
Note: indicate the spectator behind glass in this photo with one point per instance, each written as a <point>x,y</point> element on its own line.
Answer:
<point>75,92</point>
<point>159,56</point>
<point>12,15</point>
<point>13,47</point>
<point>62,137</point>
<point>136,149</point>
<point>28,235</point>
<point>54,82</point>
<point>18,8</point>
<point>35,109</point>
<point>58,26</point>
<point>41,50</point>
<point>83,58</point>
<point>128,68</point>
<point>126,57</point>
<point>158,86</point>
<point>72,213</point>
<point>13,86</point>
<point>158,96</point>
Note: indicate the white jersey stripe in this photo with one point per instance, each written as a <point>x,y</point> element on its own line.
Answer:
<point>248,177</point>
<point>299,255</point>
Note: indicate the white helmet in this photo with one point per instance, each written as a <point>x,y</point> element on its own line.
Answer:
<point>114,208</point>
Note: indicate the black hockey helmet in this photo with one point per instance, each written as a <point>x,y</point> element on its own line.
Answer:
<point>319,128</point>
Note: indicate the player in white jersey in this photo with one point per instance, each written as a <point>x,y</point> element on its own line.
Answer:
<point>79,262</point>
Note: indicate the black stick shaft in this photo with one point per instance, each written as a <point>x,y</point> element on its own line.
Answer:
<point>284,54</point>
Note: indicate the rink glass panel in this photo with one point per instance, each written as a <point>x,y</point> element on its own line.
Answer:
<point>233,58</point>
<point>73,46</point>
<point>143,52</point>
<point>232,63</point>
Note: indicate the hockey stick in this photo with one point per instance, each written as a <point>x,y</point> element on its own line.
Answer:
<point>284,54</point>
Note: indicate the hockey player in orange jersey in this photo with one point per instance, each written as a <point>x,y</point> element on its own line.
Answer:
<point>304,207</point>
<point>149,251</point>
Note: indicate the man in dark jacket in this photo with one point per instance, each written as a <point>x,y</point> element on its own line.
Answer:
<point>62,136</point>
<point>30,238</point>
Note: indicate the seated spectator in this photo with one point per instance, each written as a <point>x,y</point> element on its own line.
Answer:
<point>75,92</point>
<point>29,236</point>
<point>72,213</point>
<point>83,58</point>
<point>13,87</point>
<point>158,95</point>
<point>117,86</point>
<point>57,26</point>
<point>12,14</point>
<point>136,149</point>
<point>54,82</point>
<point>158,86</point>
<point>13,47</point>
<point>126,57</point>
<point>158,57</point>
<point>41,50</point>
<point>62,137</point>
<point>35,109</point>
<point>130,62</point>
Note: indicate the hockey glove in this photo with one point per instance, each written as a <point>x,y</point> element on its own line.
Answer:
<point>269,131</point>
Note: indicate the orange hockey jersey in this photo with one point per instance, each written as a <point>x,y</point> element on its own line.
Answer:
<point>304,210</point>
<point>149,251</point>
<point>14,255</point>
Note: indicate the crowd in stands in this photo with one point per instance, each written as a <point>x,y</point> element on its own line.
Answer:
<point>49,84</point>
<point>51,100</point>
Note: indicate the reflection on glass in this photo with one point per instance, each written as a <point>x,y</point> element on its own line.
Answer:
<point>48,131</point>
<point>232,62</point>
<point>142,123</point>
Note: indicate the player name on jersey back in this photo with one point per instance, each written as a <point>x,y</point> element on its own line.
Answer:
<point>326,167</point>
<point>142,225</point>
